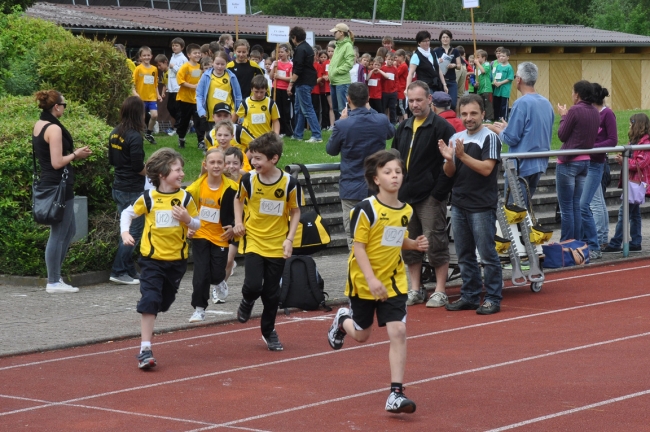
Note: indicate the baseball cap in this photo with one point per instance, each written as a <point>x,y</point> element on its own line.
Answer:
<point>222,107</point>
<point>341,27</point>
<point>441,99</point>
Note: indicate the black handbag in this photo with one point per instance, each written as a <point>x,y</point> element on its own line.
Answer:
<point>48,202</point>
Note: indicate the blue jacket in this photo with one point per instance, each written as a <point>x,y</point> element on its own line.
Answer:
<point>363,133</point>
<point>204,86</point>
<point>529,130</point>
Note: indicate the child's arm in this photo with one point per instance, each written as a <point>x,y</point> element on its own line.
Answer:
<point>419,244</point>
<point>239,228</point>
<point>287,245</point>
<point>125,223</point>
<point>180,213</point>
<point>384,74</point>
<point>377,289</point>
<point>276,126</point>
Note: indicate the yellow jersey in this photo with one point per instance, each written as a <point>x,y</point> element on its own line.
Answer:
<point>220,90</point>
<point>145,80</point>
<point>267,213</point>
<point>164,238</point>
<point>258,115</point>
<point>191,75</point>
<point>216,208</point>
<point>241,139</point>
<point>383,230</point>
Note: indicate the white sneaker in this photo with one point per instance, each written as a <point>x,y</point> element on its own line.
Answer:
<point>67,285</point>
<point>60,287</point>
<point>234,266</point>
<point>437,299</point>
<point>416,297</point>
<point>220,292</point>
<point>398,403</point>
<point>197,316</point>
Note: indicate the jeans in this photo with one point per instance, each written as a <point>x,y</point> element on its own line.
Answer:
<point>570,180</point>
<point>592,184</point>
<point>452,89</point>
<point>57,245</point>
<point>476,231</point>
<point>532,181</point>
<point>601,216</point>
<point>339,98</point>
<point>635,227</point>
<point>123,262</point>
<point>305,110</point>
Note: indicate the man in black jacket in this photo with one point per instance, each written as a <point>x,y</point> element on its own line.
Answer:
<point>302,83</point>
<point>425,188</point>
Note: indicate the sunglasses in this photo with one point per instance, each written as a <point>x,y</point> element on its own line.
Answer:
<point>64,105</point>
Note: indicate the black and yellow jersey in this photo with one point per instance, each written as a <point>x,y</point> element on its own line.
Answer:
<point>267,213</point>
<point>216,208</point>
<point>241,139</point>
<point>164,238</point>
<point>383,230</point>
<point>220,90</point>
<point>258,115</point>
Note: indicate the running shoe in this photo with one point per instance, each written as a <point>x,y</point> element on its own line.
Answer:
<point>416,297</point>
<point>150,138</point>
<point>244,311</point>
<point>60,287</point>
<point>201,145</point>
<point>171,132</point>
<point>146,360</point>
<point>181,143</point>
<point>437,299</point>
<point>336,333</point>
<point>273,341</point>
<point>313,140</point>
<point>399,403</point>
<point>124,279</point>
<point>197,316</point>
<point>219,292</point>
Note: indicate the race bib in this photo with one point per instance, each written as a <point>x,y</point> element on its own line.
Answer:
<point>372,83</point>
<point>271,207</point>
<point>196,73</point>
<point>327,67</point>
<point>220,94</point>
<point>148,79</point>
<point>164,219</point>
<point>209,214</point>
<point>258,118</point>
<point>497,76</point>
<point>391,76</point>
<point>282,74</point>
<point>393,236</point>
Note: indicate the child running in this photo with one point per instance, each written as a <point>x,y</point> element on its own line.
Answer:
<point>223,136</point>
<point>377,281</point>
<point>168,211</point>
<point>259,112</point>
<point>188,79</point>
<point>272,216</point>
<point>215,194</point>
<point>145,81</point>
<point>234,162</point>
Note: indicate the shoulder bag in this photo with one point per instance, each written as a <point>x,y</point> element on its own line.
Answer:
<point>48,202</point>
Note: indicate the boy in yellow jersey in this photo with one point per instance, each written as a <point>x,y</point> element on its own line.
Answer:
<point>260,112</point>
<point>218,86</point>
<point>377,281</point>
<point>145,81</point>
<point>168,211</point>
<point>215,194</point>
<point>188,77</point>
<point>272,216</point>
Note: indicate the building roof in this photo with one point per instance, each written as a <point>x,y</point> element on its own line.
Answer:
<point>113,19</point>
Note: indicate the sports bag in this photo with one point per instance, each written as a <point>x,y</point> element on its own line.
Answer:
<point>302,286</point>
<point>312,234</point>
<point>565,254</point>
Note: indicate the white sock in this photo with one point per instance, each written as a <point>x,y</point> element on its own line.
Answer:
<point>145,346</point>
<point>200,309</point>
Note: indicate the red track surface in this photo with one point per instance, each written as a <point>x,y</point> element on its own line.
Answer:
<point>572,357</point>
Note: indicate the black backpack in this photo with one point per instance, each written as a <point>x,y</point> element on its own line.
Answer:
<point>302,286</point>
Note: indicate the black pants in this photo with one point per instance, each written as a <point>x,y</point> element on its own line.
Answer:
<point>172,108</point>
<point>389,102</point>
<point>500,105</point>
<point>188,112</point>
<point>316,102</point>
<point>262,279</point>
<point>376,105</point>
<point>209,269</point>
<point>325,111</point>
<point>284,106</point>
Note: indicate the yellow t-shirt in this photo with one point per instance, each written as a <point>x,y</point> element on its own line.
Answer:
<point>220,90</point>
<point>165,77</point>
<point>241,139</point>
<point>258,115</point>
<point>145,80</point>
<point>130,64</point>
<point>382,229</point>
<point>416,124</point>
<point>164,238</point>
<point>267,213</point>
<point>215,208</point>
<point>191,75</point>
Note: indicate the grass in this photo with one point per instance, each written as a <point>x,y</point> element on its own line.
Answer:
<point>300,152</point>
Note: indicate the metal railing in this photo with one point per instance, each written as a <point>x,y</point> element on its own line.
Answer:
<point>625,150</point>
<point>294,169</point>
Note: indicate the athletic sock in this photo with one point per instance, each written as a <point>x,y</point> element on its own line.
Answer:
<point>145,346</point>
<point>396,387</point>
<point>342,320</point>
<point>200,309</point>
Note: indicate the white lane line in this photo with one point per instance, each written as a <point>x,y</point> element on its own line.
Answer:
<point>288,321</point>
<point>571,411</point>
<point>426,380</point>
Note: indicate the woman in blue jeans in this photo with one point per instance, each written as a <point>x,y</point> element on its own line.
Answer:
<point>639,170</point>
<point>578,130</point>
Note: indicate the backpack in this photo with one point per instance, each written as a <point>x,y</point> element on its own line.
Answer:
<point>302,286</point>
<point>568,253</point>
<point>312,234</point>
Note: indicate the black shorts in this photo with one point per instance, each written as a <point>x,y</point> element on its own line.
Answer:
<point>363,311</point>
<point>159,281</point>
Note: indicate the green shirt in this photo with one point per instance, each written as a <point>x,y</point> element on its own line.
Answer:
<point>342,62</point>
<point>504,72</point>
<point>484,79</point>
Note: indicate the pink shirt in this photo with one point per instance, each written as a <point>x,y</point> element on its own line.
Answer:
<point>284,70</point>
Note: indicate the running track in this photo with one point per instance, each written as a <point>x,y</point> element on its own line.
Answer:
<point>572,357</point>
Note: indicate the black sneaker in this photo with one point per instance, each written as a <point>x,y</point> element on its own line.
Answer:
<point>336,333</point>
<point>201,145</point>
<point>273,341</point>
<point>150,138</point>
<point>244,311</point>
<point>461,304</point>
<point>181,143</point>
<point>635,248</point>
<point>399,403</point>
<point>146,360</point>
<point>488,308</point>
<point>612,249</point>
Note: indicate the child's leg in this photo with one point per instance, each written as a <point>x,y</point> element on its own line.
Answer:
<point>352,331</point>
<point>201,251</point>
<point>487,103</point>
<point>397,353</point>
<point>218,262</point>
<point>273,268</point>
<point>154,118</point>
<point>198,126</point>
<point>496,105</point>
<point>392,107</point>
<point>146,327</point>
<point>174,272</point>
<point>184,123</point>
<point>332,117</point>
<point>232,252</point>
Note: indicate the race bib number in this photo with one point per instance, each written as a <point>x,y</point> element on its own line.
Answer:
<point>282,74</point>
<point>209,214</point>
<point>164,219</point>
<point>271,207</point>
<point>327,67</point>
<point>372,83</point>
<point>497,76</point>
<point>391,76</point>
<point>196,73</point>
<point>393,236</point>
<point>220,94</point>
<point>148,79</point>
<point>258,118</point>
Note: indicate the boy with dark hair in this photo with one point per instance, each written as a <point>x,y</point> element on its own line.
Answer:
<point>259,111</point>
<point>177,60</point>
<point>244,69</point>
<point>272,214</point>
<point>188,79</point>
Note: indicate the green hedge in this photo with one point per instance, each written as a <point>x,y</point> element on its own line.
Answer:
<point>21,240</point>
